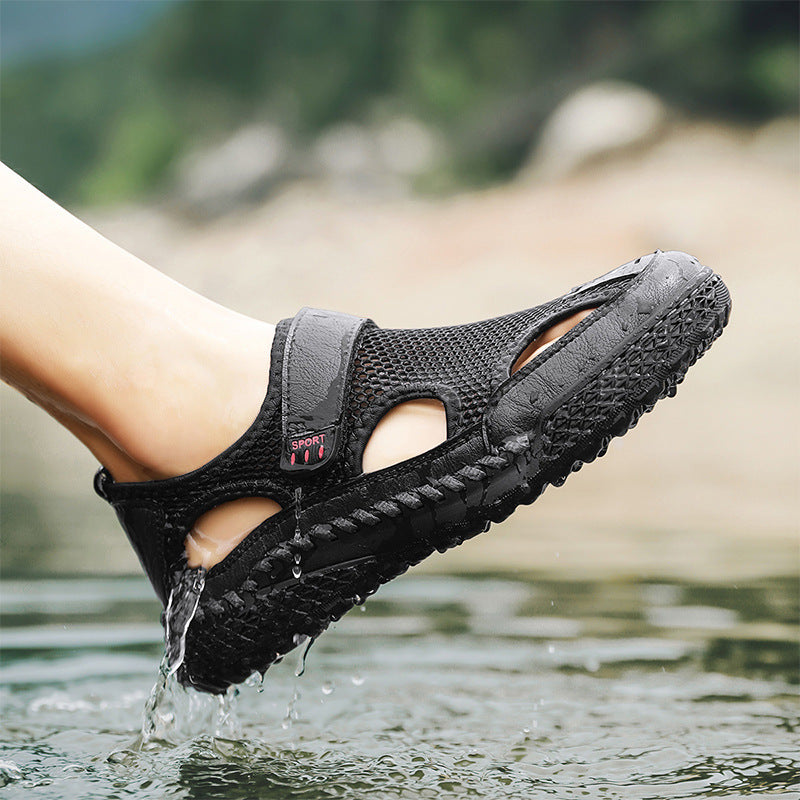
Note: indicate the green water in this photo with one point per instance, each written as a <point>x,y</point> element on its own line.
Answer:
<point>442,687</point>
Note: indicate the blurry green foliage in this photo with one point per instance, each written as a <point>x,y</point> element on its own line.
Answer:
<point>485,74</point>
<point>137,150</point>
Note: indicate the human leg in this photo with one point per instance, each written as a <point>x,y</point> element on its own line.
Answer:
<point>153,378</point>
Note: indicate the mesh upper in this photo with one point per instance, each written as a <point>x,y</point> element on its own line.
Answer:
<point>460,364</point>
<point>461,360</point>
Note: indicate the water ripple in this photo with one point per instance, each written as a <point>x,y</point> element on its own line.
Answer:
<point>554,691</point>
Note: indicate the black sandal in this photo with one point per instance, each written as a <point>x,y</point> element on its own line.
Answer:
<point>340,533</point>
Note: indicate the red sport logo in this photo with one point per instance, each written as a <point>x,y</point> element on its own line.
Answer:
<point>319,439</point>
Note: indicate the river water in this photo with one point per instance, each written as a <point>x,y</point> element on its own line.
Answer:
<point>441,687</point>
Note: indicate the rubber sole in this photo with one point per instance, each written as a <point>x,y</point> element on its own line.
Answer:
<point>573,431</point>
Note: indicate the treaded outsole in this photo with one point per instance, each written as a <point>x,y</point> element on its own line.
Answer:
<point>575,432</point>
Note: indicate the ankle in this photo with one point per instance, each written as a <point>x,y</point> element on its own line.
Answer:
<point>195,397</point>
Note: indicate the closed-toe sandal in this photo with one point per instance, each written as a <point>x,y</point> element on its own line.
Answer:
<point>341,533</point>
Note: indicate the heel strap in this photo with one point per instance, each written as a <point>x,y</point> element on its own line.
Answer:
<point>317,361</point>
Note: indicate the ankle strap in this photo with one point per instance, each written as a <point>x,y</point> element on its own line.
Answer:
<point>317,361</point>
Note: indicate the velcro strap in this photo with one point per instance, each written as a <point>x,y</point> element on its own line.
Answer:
<point>316,368</point>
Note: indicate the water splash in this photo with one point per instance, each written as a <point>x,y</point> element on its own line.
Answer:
<point>167,708</point>
<point>176,714</point>
<point>227,722</point>
<point>161,712</point>
<point>181,608</point>
<point>9,772</point>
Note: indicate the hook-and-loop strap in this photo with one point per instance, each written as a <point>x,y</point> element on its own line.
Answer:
<point>317,358</point>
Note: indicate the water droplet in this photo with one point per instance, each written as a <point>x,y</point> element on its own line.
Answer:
<point>551,648</point>
<point>291,711</point>
<point>357,679</point>
<point>255,680</point>
<point>297,570</point>
<point>299,639</point>
<point>327,687</point>
<point>592,664</point>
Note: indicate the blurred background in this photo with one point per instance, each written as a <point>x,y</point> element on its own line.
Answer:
<point>426,163</point>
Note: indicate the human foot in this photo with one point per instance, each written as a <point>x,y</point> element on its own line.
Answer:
<point>157,428</point>
<point>343,532</point>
